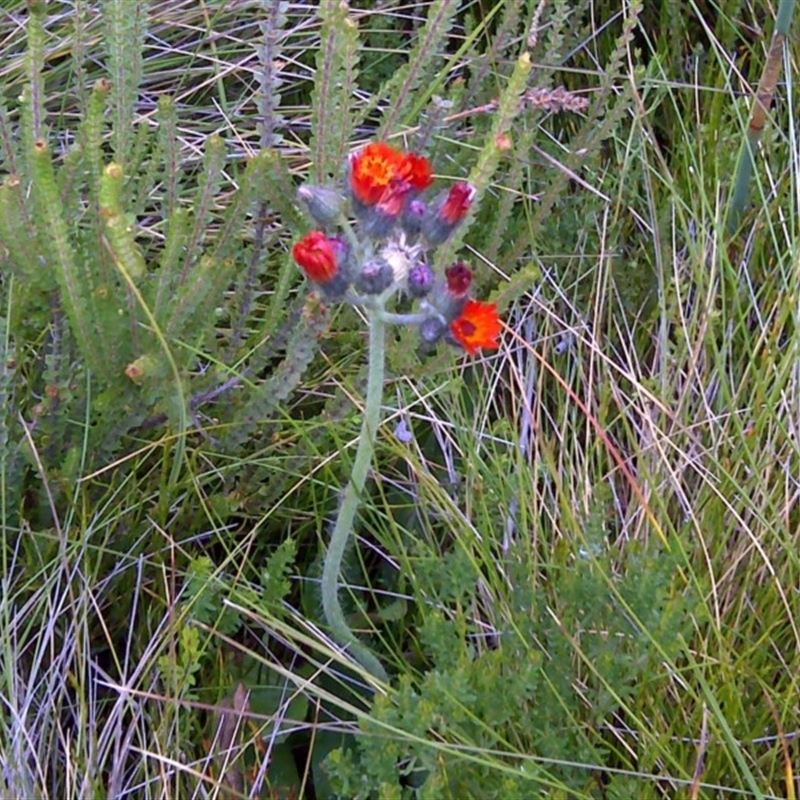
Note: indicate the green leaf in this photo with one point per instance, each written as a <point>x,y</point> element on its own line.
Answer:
<point>124,28</point>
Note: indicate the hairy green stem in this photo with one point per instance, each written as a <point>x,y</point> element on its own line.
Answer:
<point>352,495</point>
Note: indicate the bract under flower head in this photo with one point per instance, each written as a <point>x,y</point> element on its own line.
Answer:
<point>315,254</point>
<point>477,326</point>
<point>381,175</point>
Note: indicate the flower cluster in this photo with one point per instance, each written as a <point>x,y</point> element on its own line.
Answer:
<point>386,253</point>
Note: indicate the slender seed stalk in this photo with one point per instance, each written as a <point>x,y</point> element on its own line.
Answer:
<point>352,495</point>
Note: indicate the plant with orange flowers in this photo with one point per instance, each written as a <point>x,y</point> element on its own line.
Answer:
<point>379,254</point>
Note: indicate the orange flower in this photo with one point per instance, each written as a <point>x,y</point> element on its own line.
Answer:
<point>477,326</point>
<point>416,171</point>
<point>371,171</point>
<point>381,175</point>
<point>316,256</point>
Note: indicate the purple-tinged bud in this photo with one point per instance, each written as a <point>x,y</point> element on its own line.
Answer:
<point>375,277</point>
<point>431,330</point>
<point>323,205</point>
<point>413,214</point>
<point>420,280</point>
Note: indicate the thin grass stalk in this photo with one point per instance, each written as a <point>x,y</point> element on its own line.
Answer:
<point>762,101</point>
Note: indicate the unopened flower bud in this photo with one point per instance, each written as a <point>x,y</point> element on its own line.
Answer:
<point>323,205</point>
<point>143,368</point>
<point>316,255</point>
<point>413,215</point>
<point>375,277</point>
<point>459,279</point>
<point>449,295</point>
<point>447,211</point>
<point>325,261</point>
<point>431,330</point>
<point>420,280</point>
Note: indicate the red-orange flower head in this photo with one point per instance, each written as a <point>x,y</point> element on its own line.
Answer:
<point>315,254</point>
<point>477,326</point>
<point>416,171</point>
<point>458,202</point>
<point>382,176</point>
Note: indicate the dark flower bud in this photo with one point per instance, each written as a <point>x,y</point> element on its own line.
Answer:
<point>413,214</point>
<point>450,293</point>
<point>431,330</point>
<point>459,279</point>
<point>375,277</point>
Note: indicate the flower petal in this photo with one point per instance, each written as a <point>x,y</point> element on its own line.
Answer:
<point>477,326</point>
<point>458,202</point>
<point>371,171</point>
<point>315,254</point>
<point>379,174</point>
